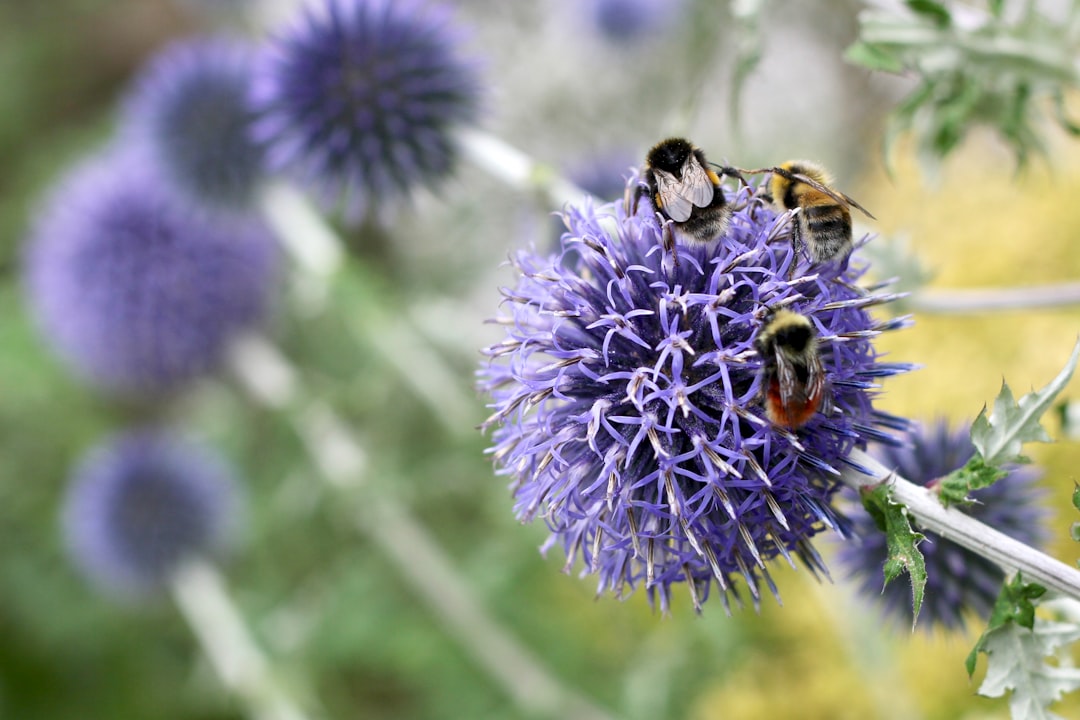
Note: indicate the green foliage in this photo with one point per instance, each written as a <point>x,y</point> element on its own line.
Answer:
<point>902,542</point>
<point>975,475</point>
<point>1074,530</point>
<point>999,436</point>
<point>1017,644</point>
<point>985,70</point>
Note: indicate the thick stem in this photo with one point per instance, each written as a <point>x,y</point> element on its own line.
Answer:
<point>200,594</point>
<point>995,299</point>
<point>1009,554</point>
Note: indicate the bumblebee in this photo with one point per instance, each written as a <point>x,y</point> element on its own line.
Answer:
<point>686,190</point>
<point>823,222</point>
<point>793,379</point>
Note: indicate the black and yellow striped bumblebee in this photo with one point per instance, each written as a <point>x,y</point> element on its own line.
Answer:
<point>685,189</point>
<point>823,221</point>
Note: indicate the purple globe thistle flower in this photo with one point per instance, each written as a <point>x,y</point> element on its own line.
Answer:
<point>361,97</point>
<point>142,503</point>
<point>627,21</point>
<point>958,581</point>
<point>190,108</point>
<point>134,292</point>
<point>627,400</point>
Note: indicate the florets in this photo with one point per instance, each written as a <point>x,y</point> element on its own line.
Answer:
<point>627,399</point>
<point>136,293</point>
<point>142,503</point>
<point>360,99</point>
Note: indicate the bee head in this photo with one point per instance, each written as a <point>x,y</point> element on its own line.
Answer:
<point>669,155</point>
<point>785,189</point>
<point>786,331</point>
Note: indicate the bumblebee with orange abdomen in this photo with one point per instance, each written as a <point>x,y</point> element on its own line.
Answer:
<point>823,222</point>
<point>685,189</point>
<point>793,379</point>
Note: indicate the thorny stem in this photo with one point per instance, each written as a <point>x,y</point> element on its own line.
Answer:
<point>202,598</point>
<point>995,299</point>
<point>1009,554</point>
<point>342,461</point>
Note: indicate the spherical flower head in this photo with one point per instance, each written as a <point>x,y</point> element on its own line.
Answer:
<point>189,106</point>
<point>628,21</point>
<point>958,581</point>
<point>134,292</point>
<point>360,100</point>
<point>142,503</point>
<point>627,399</point>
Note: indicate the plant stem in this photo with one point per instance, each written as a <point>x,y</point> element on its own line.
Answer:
<point>342,462</point>
<point>995,299</point>
<point>319,256</point>
<point>201,596</point>
<point>949,523</point>
<point>513,167</point>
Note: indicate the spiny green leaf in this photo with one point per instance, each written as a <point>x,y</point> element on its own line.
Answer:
<point>902,542</point>
<point>1016,643</point>
<point>999,436</point>
<point>873,57</point>
<point>975,475</point>
<point>932,10</point>
<point>1013,605</point>
<point>1074,530</point>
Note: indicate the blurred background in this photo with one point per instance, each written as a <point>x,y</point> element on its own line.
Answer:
<point>347,628</point>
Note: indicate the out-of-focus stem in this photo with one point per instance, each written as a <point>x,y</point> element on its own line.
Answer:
<point>513,167</point>
<point>342,462</point>
<point>996,299</point>
<point>202,598</point>
<point>318,255</point>
<point>1009,554</point>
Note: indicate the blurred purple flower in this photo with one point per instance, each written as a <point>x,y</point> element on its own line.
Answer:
<point>189,106</point>
<point>142,503</point>
<point>134,292</point>
<point>627,21</point>
<point>958,581</point>
<point>627,400</point>
<point>361,97</point>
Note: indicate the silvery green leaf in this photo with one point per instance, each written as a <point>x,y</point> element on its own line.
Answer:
<point>1017,662</point>
<point>999,436</point>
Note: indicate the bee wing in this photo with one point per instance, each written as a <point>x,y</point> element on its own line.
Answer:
<point>799,177</point>
<point>834,194</point>
<point>859,207</point>
<point>794,392</point>
<point>675,205</point>
<point>696,182</point>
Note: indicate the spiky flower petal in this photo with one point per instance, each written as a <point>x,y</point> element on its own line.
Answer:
<point>189,106</point>
<point>958,581</point>
<point>134,292</point>
<point>627,399</point>
<point>143,502</point>
<point>360,99</point>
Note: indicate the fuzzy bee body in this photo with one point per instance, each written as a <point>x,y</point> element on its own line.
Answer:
<point>822,224</point>
<point>793,379</point>
<point>686,190</point>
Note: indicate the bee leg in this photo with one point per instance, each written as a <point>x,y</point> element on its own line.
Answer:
<point>797,243</point>
<point>668,239</point>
